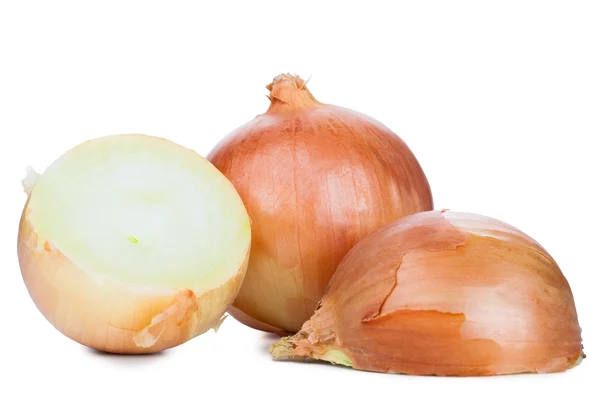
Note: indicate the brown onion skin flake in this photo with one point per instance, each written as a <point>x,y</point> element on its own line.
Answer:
<point>444,293</point>
<point>315,179</point>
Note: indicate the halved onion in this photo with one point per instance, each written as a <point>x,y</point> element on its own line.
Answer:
<point>132,243</point>
<point>444,293</point>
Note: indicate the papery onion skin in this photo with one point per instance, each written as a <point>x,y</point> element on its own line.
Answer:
<point>315,179</point>
<point>102,312</point>
<point>444,293</point>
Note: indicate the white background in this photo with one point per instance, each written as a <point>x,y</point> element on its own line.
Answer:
<point>500,101</point>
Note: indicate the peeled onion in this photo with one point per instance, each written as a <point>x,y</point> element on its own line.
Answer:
<point>315,179</point>
<point>444,293</point>
<point>132,244</point>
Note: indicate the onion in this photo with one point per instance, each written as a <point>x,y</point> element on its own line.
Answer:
<point>444,293</point>
<point>132,244</point>
<point>315,179</point>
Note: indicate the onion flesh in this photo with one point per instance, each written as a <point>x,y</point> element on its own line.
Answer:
<point>315,179</point>
<point>132,244</point>
<point>444,293</point>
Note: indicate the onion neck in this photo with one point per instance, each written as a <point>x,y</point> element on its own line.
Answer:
<point>289,93</point>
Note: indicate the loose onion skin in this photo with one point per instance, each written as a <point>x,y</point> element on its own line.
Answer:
<point>444,293</point>
<point>315,179</point>
<point>104,312</point>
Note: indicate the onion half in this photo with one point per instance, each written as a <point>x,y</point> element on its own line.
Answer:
<point>315,179</point>
<point>444,293</point>
<point>132,244</point>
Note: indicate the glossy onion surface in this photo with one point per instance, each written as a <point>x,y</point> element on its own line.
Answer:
<point>315,179</point>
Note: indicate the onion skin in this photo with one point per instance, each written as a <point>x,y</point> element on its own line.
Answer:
<point>444,293</point>
<point>254,323</point>
<point>315,179</point>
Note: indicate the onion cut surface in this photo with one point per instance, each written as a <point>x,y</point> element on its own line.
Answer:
<point>444,293</point>
<point>315,179</point>
<point>132,243</point>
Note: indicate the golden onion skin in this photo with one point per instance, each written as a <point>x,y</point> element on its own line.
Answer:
<point>444,293</point>
<point>315,179</point>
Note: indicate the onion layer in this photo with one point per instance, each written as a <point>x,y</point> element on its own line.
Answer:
<point>444,293</point>
<point>132,244</point>
<point>315,179</point>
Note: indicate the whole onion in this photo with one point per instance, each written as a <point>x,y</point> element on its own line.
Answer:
<point>132,244</point>
<point>444,293</point>
<point>315,179</point>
